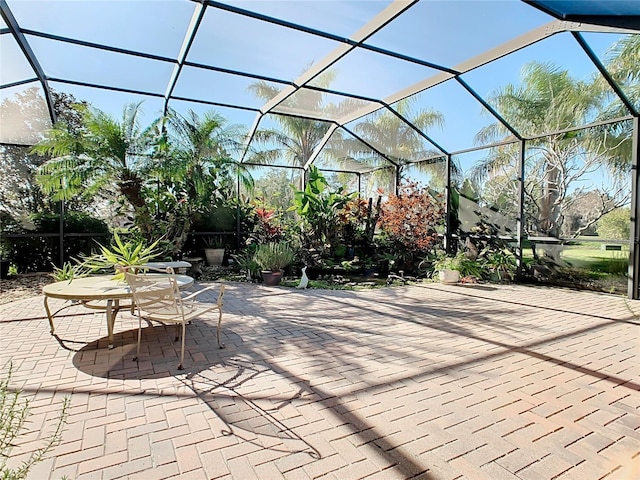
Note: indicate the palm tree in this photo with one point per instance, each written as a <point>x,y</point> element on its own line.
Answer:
<point>97,155</point>
<point>622,64</point>
<point>398,139</point>
<point>548,100</point>
<point>194,161</point>
<point>201,150</point>
<point>297,137</point>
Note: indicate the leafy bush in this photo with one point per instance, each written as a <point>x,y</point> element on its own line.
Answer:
<point>246,262</point>
<point>215,242</point>
<point>74,222</point>
<point>615,225</point>
<point>319,208</point>
<point>501,264</point>
<point>216,219</point>
<point>266,226</point>
<point>69,271</point>
<point>460,262</point>
<point>36,253</point>
<point>358,222</point>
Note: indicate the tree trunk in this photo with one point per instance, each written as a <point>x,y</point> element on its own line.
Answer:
<point>131,187</point>
<point>549,209</point>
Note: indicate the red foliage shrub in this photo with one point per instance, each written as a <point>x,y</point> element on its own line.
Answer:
<point>410,218</point>
<point>266,227</point>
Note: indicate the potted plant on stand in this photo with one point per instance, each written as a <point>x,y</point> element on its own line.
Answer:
<point>273,258</point>
<point>214,251</point>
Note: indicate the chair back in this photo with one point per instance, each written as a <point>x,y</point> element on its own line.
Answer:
<point>220,297</point>
<point>156,292</point>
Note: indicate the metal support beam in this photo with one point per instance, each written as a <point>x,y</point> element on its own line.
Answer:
<point>320,146</point>
<point>520,232</point>
<point>250,135</point>
<point>364,142</point>
<point>61,230</point>
<point>192,29</point>
<point>18,83</point>
<point>105,87</point>
<point>489,108</point>
<point>417,130</point>
<point>98,46</point>
<point>387,15</point>
<point>448,235</point>
<point>633,288</point>
<point>19,37</point>
<point>238,223</point>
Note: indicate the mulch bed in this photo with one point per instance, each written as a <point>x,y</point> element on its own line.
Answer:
<point>23,286</point>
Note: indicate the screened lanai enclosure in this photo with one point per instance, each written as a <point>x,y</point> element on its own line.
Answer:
<point>519,118</point>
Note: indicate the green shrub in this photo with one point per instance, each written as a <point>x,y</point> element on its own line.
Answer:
<point>69,271</point>
<point>460,262</point>
<point>246,262</point>
<point>36,253</point>
<point>502,264</point>
<point>409,224</point>
<point>74,222</point>
<point>615,225</point>
<point>218,219</point>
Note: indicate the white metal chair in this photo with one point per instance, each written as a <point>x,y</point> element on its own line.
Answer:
<point>157,297</point>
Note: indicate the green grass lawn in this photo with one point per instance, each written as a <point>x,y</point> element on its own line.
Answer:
<point>587,265</point>
<point>592,257</point>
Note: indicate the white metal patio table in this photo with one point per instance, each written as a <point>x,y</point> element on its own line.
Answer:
<point>100,292</point>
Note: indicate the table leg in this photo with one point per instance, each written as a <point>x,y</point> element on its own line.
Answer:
<point>46,307</point>
<point>113,307</point>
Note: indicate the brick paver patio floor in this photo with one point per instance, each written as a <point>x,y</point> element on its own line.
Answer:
<point>430,381</point>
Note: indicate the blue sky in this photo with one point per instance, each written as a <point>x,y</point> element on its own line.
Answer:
<point>442,32</point>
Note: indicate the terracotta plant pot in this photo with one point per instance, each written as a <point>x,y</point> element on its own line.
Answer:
<point>271,279</point>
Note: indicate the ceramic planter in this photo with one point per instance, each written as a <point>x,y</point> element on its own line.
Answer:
<point>214,256</point>
<point>449,276</point>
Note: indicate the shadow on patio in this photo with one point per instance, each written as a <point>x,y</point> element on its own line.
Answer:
<point>426,381</point>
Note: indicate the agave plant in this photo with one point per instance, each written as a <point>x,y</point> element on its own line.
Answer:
<point>121,255</point>
<point>69,271</point>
